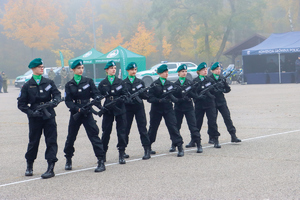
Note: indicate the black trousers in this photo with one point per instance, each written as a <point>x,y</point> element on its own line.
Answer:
<point>191,121</point>
<point>107,123</point>
<point>141,121</point>
<point>211,120</point>
<point>170,120</point>
<point>36,127</point>
<point>227,119</point>
<point>92,131</point>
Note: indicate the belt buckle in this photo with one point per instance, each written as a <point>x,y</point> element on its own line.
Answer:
<point>42,103</point>
<point>79,101</point>
<point>111,98</point>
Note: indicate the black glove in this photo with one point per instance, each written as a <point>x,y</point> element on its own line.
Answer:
<point>84,111</point>
<point>173,99</point>
<point>55,103</point>
<point>128,101</point>
<point>98,98</point>
<point>35,113</point>
<point>186,98</point>
<point>122,99</point>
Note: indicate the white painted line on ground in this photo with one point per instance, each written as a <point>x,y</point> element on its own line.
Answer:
<point>152,156</point>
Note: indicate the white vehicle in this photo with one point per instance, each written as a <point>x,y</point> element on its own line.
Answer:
<point>21,80</point>
<point>151,75</point>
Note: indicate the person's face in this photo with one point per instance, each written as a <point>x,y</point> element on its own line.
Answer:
<point>203,72</point>
<point>39,70</point>
<point>51,69</point>
<point>182,73</point>
<point>217,71</point>
<point>132,72</point>
<point>299,57</point>
<point>63,69</point>
<point>164,74</point>
<point>78,70</point>
<point>111,70</point>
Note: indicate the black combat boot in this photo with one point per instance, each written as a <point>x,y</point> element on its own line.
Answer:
<point>121,157</point>
<point>126,155</point>
<point>68,165</point>
<point>191,144</point>
<point>29,170</point>
<point>49,173</point>
<point>234,138</point>
<point>211,140</point>
<point>199,147</point>
<point>180,151</point>
<point>147,153</point>
<point>216,143</point>
<point>151,151</point>
<point>101,166</point>
<point>173,148</point>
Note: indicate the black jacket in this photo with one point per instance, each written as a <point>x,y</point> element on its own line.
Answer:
<point>34,94</point>
<point>219,94</point>
<point>77,95</point>
<point>113,91</point>
<point>133,88</point>
<point>187,103</point>
<point>208,101</point>
<point>156,92</point>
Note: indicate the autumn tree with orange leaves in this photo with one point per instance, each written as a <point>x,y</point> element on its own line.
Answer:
<point>35,22</point>
<point>142,42</point>
<point>112,43</point>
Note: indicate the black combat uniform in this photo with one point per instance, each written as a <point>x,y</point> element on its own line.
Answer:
<point>221,105</point>
<point>134,108</point>
<point>185,107</point>
<point>35,95</point>
<point>161,107</point>
<point>77,95</point>
<point>117,112</point>
<point>205,104</point>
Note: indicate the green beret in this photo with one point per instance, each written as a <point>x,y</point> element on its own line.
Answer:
<point>182,67</point>
<point>131,66</point>
<point>201,66</point>
<point>34,63</point>
<point>109,64</point>
<point>215,65</point>
<point>162,68</point>
<point>76,63</point>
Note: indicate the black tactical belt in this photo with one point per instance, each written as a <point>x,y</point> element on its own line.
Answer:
<point>82,101</point>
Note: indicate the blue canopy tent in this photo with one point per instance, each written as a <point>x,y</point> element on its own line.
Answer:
<point>280,50</point>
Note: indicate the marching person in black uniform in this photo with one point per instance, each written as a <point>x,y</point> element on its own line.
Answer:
<point>161,106</point>
<point>185,107</point>
<point>136,108</point>
<point>37,91</point>
<point>205,104</point>
<point>220,100</point>
<point>113,88</point>
<point>78,92</point>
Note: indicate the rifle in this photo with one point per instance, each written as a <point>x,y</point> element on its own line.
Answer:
<point>215,85</point>
<point>136,94</point>
<point>95,102</point>
<point>105,108</point>
<point>49,104</point>
<point>169,94</point>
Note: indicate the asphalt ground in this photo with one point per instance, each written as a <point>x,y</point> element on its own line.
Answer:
<point>265,165</point>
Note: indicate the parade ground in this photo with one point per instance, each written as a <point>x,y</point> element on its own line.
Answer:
<point>264,166</point>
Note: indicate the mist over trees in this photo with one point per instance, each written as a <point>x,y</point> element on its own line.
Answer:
<point>173,30</point>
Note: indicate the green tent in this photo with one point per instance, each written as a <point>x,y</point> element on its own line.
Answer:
<point>88,61</point>
<point>122,57</point>
<point>88,57</point>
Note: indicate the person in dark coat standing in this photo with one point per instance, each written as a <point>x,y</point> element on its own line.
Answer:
<point>1,81</point>
<point>220,100</point>
<point>161,106</point>
<point>185,107</point>
<point>136,108</point>
<point>112,88</point>
<point>205,104</point>
<point>79,90</point>
<point>37,91</point>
